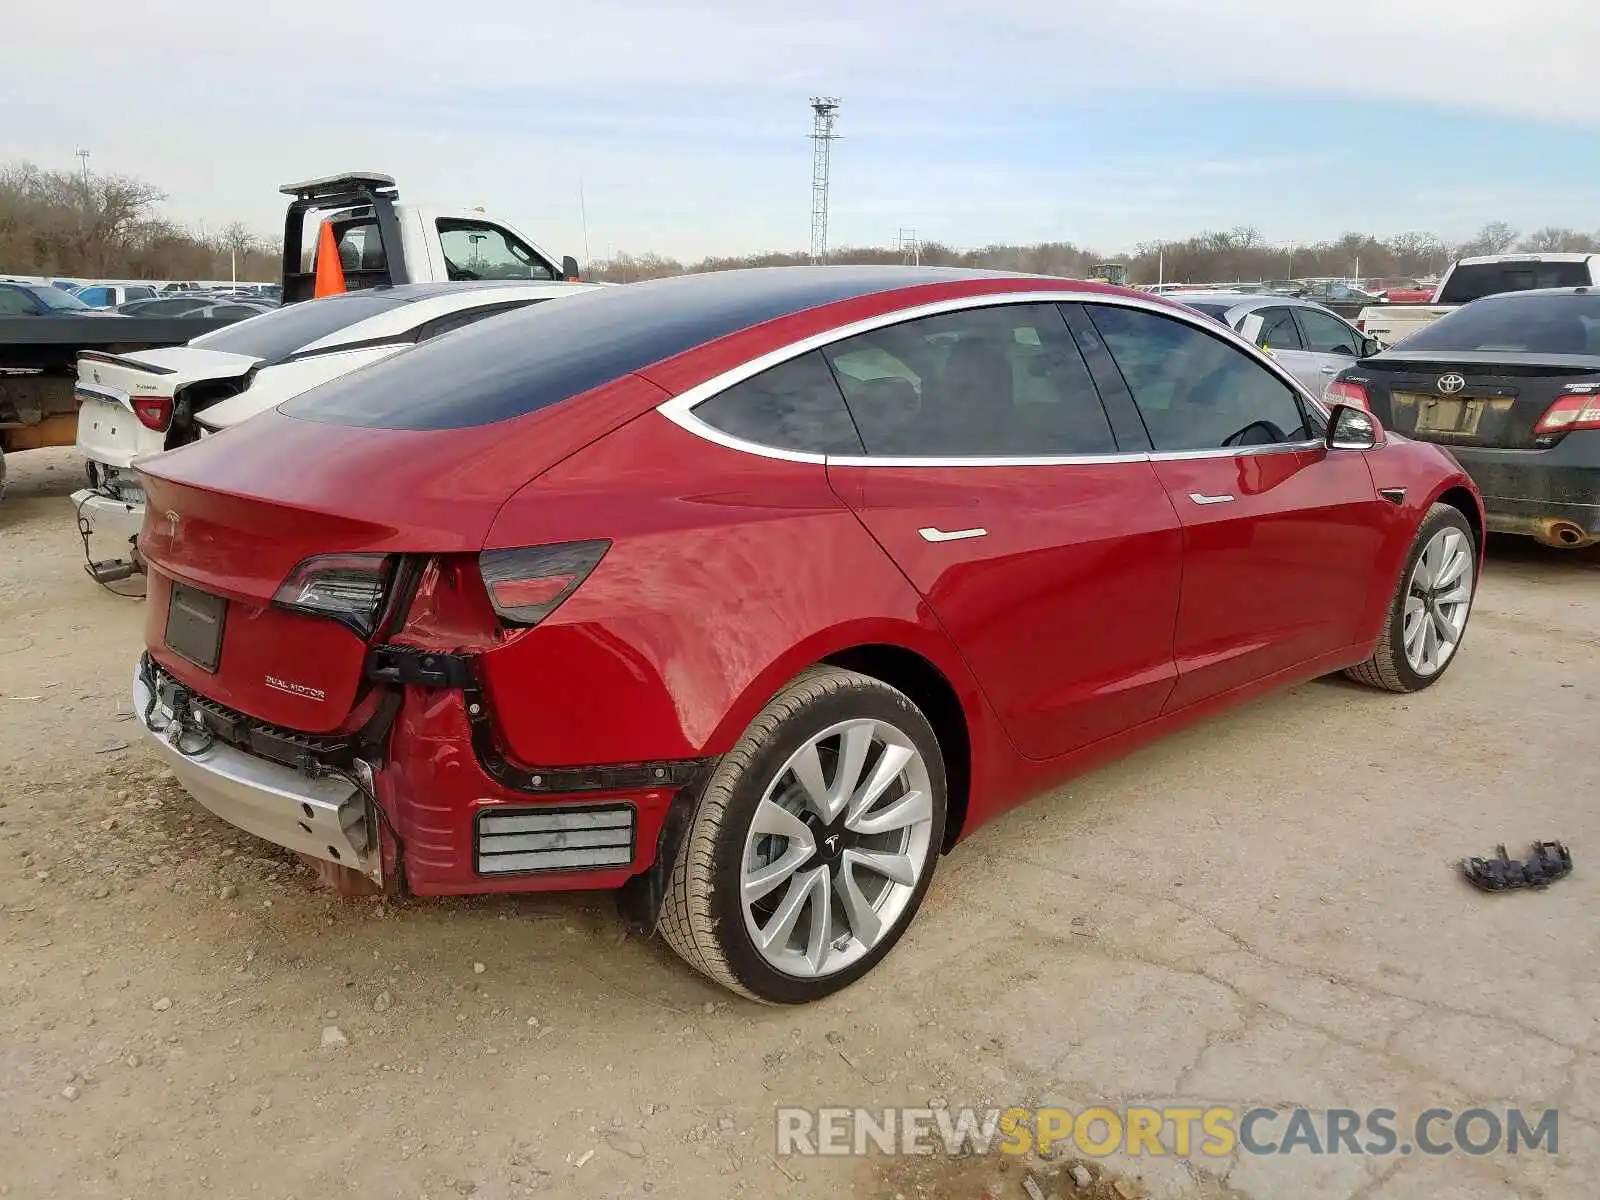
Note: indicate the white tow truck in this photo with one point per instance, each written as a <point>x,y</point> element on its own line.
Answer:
<point>1470,279</point>
<point>383,241</point>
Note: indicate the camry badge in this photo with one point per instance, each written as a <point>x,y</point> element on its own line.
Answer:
<point>1449,385</point>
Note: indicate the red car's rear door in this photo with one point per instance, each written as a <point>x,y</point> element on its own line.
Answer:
<point>1046,546</point>
<point>1281,535</point>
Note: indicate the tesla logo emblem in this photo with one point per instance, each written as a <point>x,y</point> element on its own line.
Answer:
<point>1449,385</point>
<point>832,843</point>
<point>172,525</point>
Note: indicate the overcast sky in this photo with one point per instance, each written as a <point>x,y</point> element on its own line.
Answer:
<point>1104,122</point>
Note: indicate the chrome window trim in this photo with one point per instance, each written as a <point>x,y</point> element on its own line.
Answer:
<point>974,460</point>
<point>679,409</point>
<point>1238,451</point>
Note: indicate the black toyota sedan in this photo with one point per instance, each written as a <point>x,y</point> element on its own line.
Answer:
<point>1511,384</point>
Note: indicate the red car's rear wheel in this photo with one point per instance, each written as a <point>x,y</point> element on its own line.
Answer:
<point>814,843</point>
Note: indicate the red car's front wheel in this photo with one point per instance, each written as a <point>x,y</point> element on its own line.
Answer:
<point>1428,615</point>
<point>814,843</point>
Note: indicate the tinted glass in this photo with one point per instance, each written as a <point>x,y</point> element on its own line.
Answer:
<point>1195,391</point>
<point>1490,279</point>
<point>278,334</point>
<point>51,297</point>
<point>15,302</point>
<point>1277,330</point>
<point>95,297</point>
<point>474,250</point>
<point>1326,334</point>
<point>793,406</point>
<point>1005,381</point>
<point>1561,324</point>
<point>1209,308</point>
<point>496,370</point>
<point>467,316</point>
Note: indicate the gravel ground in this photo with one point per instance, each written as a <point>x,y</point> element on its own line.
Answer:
<point>1260,910</point>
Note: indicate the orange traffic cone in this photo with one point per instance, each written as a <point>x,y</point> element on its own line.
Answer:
<point>330,273</point>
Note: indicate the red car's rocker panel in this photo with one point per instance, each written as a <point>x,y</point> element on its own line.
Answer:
<point>510,612</point>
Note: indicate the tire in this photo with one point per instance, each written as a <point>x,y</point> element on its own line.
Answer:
<point>872,871</point>
<point>1393,666</point>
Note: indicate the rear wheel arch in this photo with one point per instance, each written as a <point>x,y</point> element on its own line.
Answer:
<point>933,693</point>
<point>910,658</point>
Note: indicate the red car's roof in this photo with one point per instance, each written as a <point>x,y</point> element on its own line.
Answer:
<point>524,361</point>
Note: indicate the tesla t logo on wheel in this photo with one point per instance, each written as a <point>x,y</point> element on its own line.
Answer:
<point>1449,385</point>
<point>832,843</point>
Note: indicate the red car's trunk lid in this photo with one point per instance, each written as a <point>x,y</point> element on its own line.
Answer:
<point>234,514</point>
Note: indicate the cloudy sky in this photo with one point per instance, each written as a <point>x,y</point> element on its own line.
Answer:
<point>1104,122</point>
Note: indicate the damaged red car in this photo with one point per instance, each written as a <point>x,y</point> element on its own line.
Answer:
<point>748,595</point>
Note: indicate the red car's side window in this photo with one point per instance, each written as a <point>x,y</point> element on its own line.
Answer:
<point>793,406</point>
<point>1001,381</point>
<point>1195,391</point>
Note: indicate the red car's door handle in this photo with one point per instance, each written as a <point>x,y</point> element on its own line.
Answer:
<point>930,534</point>
<point>1198,498</point>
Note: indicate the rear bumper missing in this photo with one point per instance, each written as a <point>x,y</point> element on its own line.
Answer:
<point>329,818</point>
<point>439,811</point>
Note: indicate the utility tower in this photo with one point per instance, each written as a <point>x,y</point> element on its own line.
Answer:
<point>824,110</point>
<point>910,247</point>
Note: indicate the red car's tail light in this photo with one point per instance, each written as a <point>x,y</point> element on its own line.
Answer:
<point>347,588</point>
<point>154,412</point>
<point>527,585</point>
<point>1573,411</point>
<point>1343,392</point>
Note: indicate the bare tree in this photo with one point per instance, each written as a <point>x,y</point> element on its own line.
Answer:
<point>1494,238</point>
<point>1553,238</point>
<point>56,223</point>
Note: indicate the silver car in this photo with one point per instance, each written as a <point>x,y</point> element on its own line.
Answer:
<point>1312,343</point>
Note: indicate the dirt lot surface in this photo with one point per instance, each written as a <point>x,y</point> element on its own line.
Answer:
<point>1260,911</point>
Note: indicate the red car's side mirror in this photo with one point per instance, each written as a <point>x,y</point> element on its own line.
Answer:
<point>1352,428</point>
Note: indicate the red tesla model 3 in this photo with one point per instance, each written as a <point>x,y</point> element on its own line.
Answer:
<point>749,594</point>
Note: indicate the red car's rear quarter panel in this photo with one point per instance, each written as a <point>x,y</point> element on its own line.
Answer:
<point>728,574</point>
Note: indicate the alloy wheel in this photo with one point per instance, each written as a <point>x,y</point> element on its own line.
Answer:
<point>1438,598</point>
<point>836,848</point>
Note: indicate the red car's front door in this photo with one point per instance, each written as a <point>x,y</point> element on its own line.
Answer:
<point>1279,549</point>
<point>1281,535</point>
<point>993,478</point>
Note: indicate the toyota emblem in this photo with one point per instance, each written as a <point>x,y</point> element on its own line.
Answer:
<point>1449,385</point>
